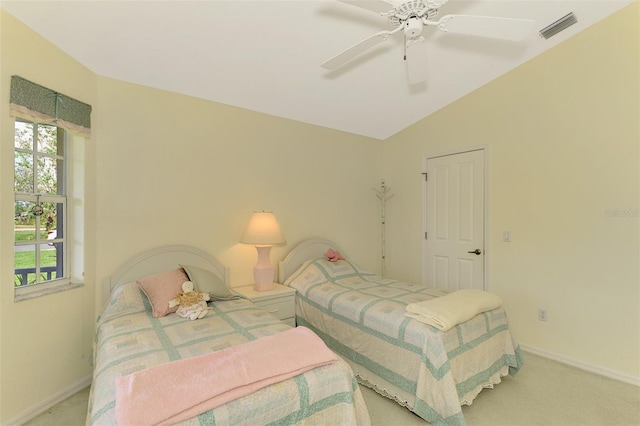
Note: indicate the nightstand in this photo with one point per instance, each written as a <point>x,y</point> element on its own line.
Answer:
<point>280,301</point>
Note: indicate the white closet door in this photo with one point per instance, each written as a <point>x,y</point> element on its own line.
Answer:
<point>455,221</point>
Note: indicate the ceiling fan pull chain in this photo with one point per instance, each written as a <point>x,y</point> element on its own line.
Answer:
<point>405,47</point>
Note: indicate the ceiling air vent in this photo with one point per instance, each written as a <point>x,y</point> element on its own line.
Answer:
<point>560,25</point>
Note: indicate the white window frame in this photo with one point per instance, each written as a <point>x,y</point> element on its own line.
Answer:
<point>65,282</point>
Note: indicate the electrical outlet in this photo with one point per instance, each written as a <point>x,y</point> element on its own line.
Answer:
<point>542,314</point>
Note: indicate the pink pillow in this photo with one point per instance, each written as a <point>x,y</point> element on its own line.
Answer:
<point>161,288</point>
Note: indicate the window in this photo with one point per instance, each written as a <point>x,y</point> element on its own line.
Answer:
<point>40,205</point>
<point>50,131</point>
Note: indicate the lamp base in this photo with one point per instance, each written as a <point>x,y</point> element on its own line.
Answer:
<point>263,287</point>
<point>263,272</point>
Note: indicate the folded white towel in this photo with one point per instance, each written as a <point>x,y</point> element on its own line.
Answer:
<point>454,308</point>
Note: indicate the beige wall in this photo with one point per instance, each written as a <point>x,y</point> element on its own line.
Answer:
<point>178,170</point>
<point>45,342</point>
<point>562,133</point>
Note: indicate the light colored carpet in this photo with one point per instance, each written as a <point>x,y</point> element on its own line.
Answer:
<point>543,392</point>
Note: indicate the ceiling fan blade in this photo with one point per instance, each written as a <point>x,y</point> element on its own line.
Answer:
<point>487,26</point>
<point>416,61</point>
<point>377,6</point>
<point>347,55</point>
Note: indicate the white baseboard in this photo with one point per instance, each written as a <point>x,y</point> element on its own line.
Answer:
<point>43,406</point>
<point>612,374</point>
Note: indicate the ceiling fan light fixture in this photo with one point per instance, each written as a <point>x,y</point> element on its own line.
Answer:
<point>413,27</point>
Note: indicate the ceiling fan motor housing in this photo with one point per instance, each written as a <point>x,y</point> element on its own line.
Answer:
<point>413,27</point>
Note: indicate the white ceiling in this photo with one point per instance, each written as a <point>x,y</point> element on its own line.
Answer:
<point>265,55</point>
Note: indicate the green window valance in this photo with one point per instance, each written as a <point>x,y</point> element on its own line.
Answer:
<point>37,103</point>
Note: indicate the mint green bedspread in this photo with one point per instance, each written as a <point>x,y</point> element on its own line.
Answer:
<point>361,316</point>
<point>129,339</point>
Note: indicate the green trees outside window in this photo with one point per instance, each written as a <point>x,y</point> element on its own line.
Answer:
<point>40,203</point>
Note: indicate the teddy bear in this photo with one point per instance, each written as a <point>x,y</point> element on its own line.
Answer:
<point>191,303</point>
<point>333,255</point>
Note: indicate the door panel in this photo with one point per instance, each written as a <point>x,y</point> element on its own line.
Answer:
<point>455,221</point>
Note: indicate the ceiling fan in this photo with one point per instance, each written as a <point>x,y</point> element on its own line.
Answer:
<point>411,16</point>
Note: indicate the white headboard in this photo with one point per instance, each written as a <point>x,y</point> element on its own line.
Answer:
<point>313,248</point>
<point>163,259</point>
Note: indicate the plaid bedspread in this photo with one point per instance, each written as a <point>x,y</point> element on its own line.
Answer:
<point>129,339</point>
<point>361,316</point>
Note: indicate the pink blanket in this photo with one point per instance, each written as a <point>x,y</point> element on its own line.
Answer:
<point>173,392</point>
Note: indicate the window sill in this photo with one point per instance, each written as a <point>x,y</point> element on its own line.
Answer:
<point>31,293</point>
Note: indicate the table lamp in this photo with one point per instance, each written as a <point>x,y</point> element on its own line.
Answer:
<point>263,231</point>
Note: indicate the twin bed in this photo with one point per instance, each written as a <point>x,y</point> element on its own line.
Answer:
<point>358,315</point>
<point>361,316</point>
<point>130,341</point>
